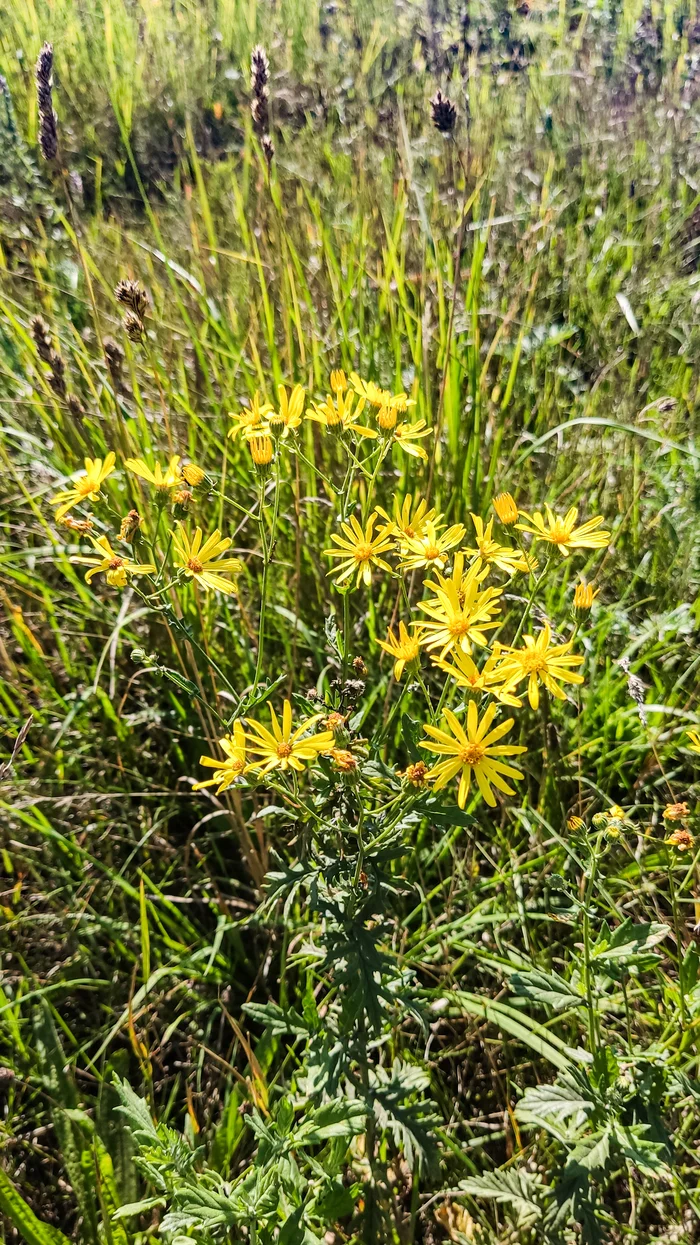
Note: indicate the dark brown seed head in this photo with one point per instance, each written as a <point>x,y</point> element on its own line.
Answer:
<point>42,337</point>
<point>48,132</point>
<point>132,295</point>
<point>133,326</point>
<point>114,356</point>
<point>443,113</point>
<point>268,148</point>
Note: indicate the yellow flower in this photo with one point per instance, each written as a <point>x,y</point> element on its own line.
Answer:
<point>476,751</point>
<point>682,839</point>
<point>381,398</point>
<point>192,474</point>
<point>564,532</point>
<point>584,596</point>
<point>251,417</point>
<point>163,481</point>
<point>289,414</point>
<point>676,812</point>
<point>116,569</point>
<point>261,448</point>
<point>467,674</point>
<point>410,516</point>
<point>202,562</point>
<point>87,485</point>
<point>340,415</point>
<point>490,552</point>
<point>541,662</point>
<point>506,509</point>
<point>232,767</point>
<point>574,824</point>
<point>404,650</point>
<point>430,549</point>
<point>406,434</point>
<point>284,748</point>
<point>386,418</point>
<point>694,737</point>
<point>417,774</point>
<point>460,612</point>
<point>339,381</point>
<point>360,550</point>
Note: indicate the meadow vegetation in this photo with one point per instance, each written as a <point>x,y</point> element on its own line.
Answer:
<point>350,505</point>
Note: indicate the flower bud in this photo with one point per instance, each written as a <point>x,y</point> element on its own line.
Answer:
<point>584,596</point>
<point>192,474</point>
<point>261,451</point>
<point>181,503</point>
<point>506,509</point>
<point>130,526</point>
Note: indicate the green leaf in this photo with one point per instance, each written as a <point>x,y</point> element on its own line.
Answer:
<point>547,988</point>
<point>32,1229</point>
<point>518,1189</point>
<point>569,1096</point>
<point>628,941</point>
<point>138,1208</point>
<point>344,1117</point>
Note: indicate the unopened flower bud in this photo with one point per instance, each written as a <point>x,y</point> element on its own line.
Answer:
<point>192,474</point>
<point>506,509</point>
<point>584,596</point>
<point>130,526</point>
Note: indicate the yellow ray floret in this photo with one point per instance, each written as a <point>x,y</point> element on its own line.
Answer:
<point>474,750</point>
<point>492,553</point>
<point>86,486</point>
<point>461,612</point>
<point>284,747</point>
<point>288,416</point>
<point>233,765</point>
<point>489,679</point>
<point>340,414</point>
<point>162,480</point>
<point>250,417</point>
<point>540,661</point>
<point>405,649</point>
<point>360,550</point>
<point>381,398</point>
<point>117,570</point>
<point>406,434</point>
<point>431,548</point>
<point>694,745</point>
<point>564,532</point>
<point>410,516</point>
<point>202,561</point>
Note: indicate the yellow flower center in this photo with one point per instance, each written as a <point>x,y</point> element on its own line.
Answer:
<point>195,566</point>
<point>86,485</point>
<point>533,663</point>
<point>116,563</point>
<point>472,754</point>
<point>363,553</point>
<point>459,625</point>
<point>237,767</point>
<point>431,552</point>
<point>560,533</point>
<point>284,750</point>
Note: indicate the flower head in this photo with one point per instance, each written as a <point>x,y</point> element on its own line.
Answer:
<point>340,414</point>
<point>287,418</point>
<point>472,751</point>
<point>506,509</point>
<point>584,596</point>
<point>116,569</point>
<point>406,434</point>
<point>694,745</point>
<point>339,381</point>
<point>261,449</point>
<point>417,774</point>
<point>405,649</point>
<point>466,674</point>
<point>430,549</point>
<point>164,481</point>
<point>191,474</point>
<point>232,767</point>
<point>681,839</point>
<point>250,417</point>
<point>676,812</point>
<point>410,516</point>
<point>490,552</point>
<point>360,550</point>
<point>564,532</point>
<point>461,612</point>
<point>540,661</point>
<point>86,486</point>
<point>381,398</point>
<point>130,525</point>
<point>284,747</point>
<point>575,824</point>
<point>202,561</point>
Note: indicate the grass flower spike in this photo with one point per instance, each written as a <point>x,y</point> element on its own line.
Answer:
<point>540,661</point>
<point>360,550</point>
<point>472,751</point>
<point>116,569</point>
<point>232,767</point>
<point>203,562</point>
<point>86,487</point>
<point>564,532</point>
<point>405,650</point>
<point>282,747</point>
<point>164,481</point>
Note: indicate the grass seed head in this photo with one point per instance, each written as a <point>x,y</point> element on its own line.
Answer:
<point>48,129</point>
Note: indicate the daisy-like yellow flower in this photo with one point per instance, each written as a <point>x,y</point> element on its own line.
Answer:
<point>431,549</point>
<point>416,775</point>
<point>461,612</point>
<point>164,481</point>
<point>360,550</point>
<point>506,509</point>
<point>491,553</point>
<point>250,417</point>
<point>472,751</point>
<point>694,737</point>
<point>405,649</point>
<point>682,839</point>
<point>564,532</point>
<point>339,381</point>
<point>410,516</point>
<point>381,398</point>
<point>406,434</point>
<point>191,474</point>
<point>341,414</point>
<point>288,416</point>
<point>117,570</point>
<point>283,747</point>
<point>86,486</point>
<point>233,765</point>
<point>540,661</point>
<point>465,672</point>
<point>202,561</point>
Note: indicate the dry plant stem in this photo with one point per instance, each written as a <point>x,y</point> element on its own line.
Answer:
<point>268,547</point>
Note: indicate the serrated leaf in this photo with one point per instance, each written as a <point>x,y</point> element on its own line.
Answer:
<point>518,1189</point>
<point>545,987</point>
<point>33,1230</point>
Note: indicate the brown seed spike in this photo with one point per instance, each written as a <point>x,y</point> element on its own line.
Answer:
<point>48,131</point>
<point>443,113</point>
